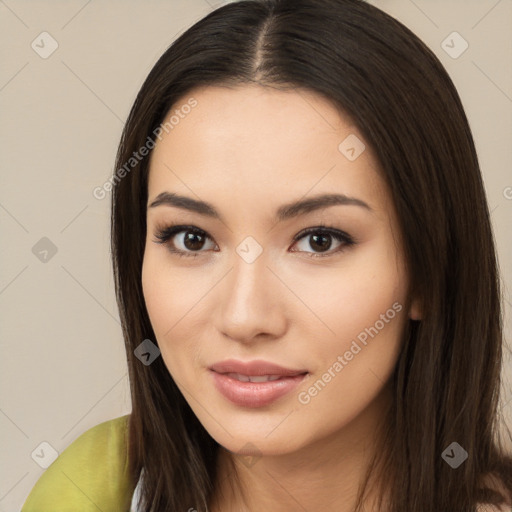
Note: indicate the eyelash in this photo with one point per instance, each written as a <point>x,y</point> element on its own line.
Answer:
<point>164,234</point>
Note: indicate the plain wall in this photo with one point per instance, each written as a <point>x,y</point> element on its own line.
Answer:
<point>63,365</point>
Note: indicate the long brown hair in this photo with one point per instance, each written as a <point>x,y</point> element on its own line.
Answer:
<point>447,379</point>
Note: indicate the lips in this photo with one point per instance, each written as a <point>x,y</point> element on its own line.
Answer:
<point>254,383</point>
<point>252,378</point>
<point>254,368</point>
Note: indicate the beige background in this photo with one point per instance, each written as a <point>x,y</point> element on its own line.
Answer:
<point>62,366</point>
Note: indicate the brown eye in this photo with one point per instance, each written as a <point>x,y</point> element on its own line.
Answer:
<point>183,240</point>
<point>193,241</point>
<point>320,240</point>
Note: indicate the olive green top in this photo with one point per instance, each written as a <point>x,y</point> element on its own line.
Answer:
<point>89,475</point>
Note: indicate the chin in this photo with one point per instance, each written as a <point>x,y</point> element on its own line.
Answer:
<point>249,436</point>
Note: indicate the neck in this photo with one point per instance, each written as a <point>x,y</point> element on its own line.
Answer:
<point>324,475</point>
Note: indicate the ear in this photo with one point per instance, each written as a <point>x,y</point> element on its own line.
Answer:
<point>415,312</point>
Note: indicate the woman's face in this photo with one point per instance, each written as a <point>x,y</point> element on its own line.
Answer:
<point>244,281</point>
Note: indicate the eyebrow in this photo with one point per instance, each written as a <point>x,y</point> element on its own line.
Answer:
<point>284,212</point>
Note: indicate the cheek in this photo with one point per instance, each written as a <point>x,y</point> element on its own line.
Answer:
<point>159,304</point>
<point>365,300</point>
<point>166,300</point>
<point>366,315</point>
<point>352,370</point>
<point>174,299</point>
<point>355,295</point>
<point>168,293</point>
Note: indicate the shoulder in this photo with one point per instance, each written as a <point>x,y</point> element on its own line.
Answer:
<point>90,474</point>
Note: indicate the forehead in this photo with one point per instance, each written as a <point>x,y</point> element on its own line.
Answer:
<point>251,145</point>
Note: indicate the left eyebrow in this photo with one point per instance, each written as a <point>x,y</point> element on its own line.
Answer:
<point>284,212</point>
<point>305,206</point>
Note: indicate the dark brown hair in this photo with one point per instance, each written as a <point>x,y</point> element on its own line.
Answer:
<point>447,379</point>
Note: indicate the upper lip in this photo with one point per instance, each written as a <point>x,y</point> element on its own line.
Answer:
<point>254,368</point>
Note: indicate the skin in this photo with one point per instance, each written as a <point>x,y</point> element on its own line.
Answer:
<point>248,150</point>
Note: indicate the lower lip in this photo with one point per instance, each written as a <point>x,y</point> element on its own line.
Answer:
<point>255,394</point>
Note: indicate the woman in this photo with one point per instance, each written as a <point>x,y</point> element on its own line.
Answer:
<point>306,277</point>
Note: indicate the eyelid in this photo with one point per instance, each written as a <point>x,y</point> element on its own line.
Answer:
<point>338,234</point>
<point>164,233</point>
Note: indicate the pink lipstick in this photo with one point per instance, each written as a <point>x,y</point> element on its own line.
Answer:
<point>254,383</point>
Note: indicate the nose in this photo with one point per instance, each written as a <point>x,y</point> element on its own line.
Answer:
<point>252,302</point>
